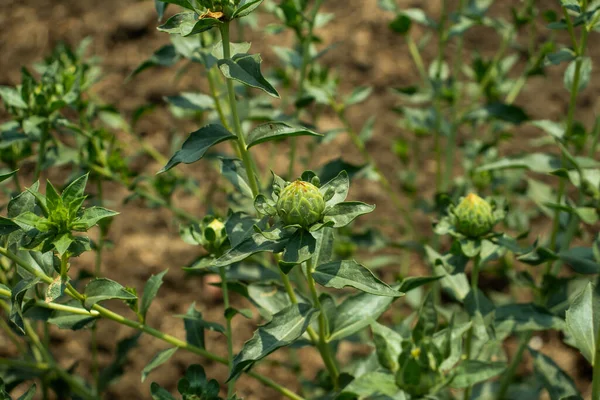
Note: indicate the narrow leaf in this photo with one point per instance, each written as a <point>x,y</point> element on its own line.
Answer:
<point>245,68</point>
<point>339,274</point>
<point>159,359</point>
<point>275,131</point>
<point>104,289</point>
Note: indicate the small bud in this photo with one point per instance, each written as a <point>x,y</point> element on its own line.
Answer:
<point>214,234</point>
<point>474,216</point>
<point>316,181</point>
<point>300,203</point>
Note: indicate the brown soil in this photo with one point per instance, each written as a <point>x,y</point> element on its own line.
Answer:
<point>146,241</point>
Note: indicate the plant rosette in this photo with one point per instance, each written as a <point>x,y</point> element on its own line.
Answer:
<point>471,222</point>
<point>298,211</point>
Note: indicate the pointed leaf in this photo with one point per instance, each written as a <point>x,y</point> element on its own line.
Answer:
<point>339,274</point>
<point>75,190</point>
<point>11,97</point>
<point>246,8</point>
<point>583,321</point>
<point>275,131</point>
<point>150,290</point>
<point>558,383</point>
<point>299,248</point>
<point>344,213</point>
<point>256,243</point>
<point>470,372</point>
<point>16,299</point>
<point>91,216</point>
<point>337,188</point>
<point>159,393</point>
<point>187,23</point>
<point>284,329</point>
<point>197,144</point>
<point>101,289</point>
<point>6,176</point>
<point>245,68</point>
<point>356,313</point>
<point>159,359</point>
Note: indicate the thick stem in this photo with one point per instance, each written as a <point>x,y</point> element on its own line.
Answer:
<point>231,383</point>
<point>474,291</point>
<point>247,160</point>
<point>328,357</point>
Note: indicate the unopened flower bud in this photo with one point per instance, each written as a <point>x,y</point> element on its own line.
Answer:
<point>300,203</point>
<point>474,216</point>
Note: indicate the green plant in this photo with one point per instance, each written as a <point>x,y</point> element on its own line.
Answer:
<point>288,245</point>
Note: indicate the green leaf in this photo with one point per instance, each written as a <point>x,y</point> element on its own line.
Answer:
<point>373,385</point>
<point>187,23</point>
<point>344,213</point>
<point>358,95</point>
<point>470,372</point>
<point>256,243</point>
<point>246,8</point>
<point>195,325</point>
<point>525,317</point>
<point>339,274</point>
<point>75,190</point>
<point>192,101</point>
<point>337,188</point>
<point>166,56</point>
<point>150,290</point>
<point>503,112</point>
<point>560,56</point>
<point>245,68</point>
<point>284,329</point>
<point>69,320</point>
<point>28,221</point>
<point>270,298</point>
<point>581,260</point>
<point>414,282</point>
<point>197,144</point>
<point>16,299</point>
<point>7,226</point>
<point>234,171</point>
<point>536,162</point>
<point>194,385</point>
<point>91,216</point>
<point>388,345</point>
<point>356,313</point>
<point>159,359</point>
<point>55,290</point>
<point>428,320</point>
<point>275,131</point>
<point>8,175</point>
<point>584,74</point>
<point>240,226</point>
<point>159,393</point>
<point>324,251</point>
<point>558,383</point>
<point>300,248</point>
<point>101,289</point>
<point>583,321</point>
<point>11,97</point>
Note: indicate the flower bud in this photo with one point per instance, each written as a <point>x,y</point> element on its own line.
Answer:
<point>474,216</point>
<point>214,234</point>
<point>300,203</point>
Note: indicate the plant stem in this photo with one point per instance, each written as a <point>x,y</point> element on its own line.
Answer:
<point>231,383</point>
<point>328,358</point>
<point>475,291</point>
<point>246,158</point>
<point>41,152</point>
<point>16,180</point>
<point>514,364</point>
<point>108,314</point>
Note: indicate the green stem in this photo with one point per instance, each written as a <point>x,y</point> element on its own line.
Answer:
<point>16,180</point>
<point>514,364</point>
<point>64,267</point>
<point>474,291</point>
<point>438,99</point>
<point>41,151</point>
<point>246,158</point>
<point>328,357</point>
<point>231,383</point>
<point>415,54</point>
<point>108,314</point>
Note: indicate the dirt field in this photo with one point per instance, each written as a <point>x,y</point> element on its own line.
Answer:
<point>147,241</point>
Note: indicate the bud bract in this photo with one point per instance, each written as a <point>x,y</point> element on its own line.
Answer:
<point>300,203</point>
<point>214,234</point>
<point>474,216</point>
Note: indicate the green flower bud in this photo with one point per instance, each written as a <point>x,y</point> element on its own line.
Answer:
<point>214,234</point>
<point>474,217</point>
<point>300,203</point>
